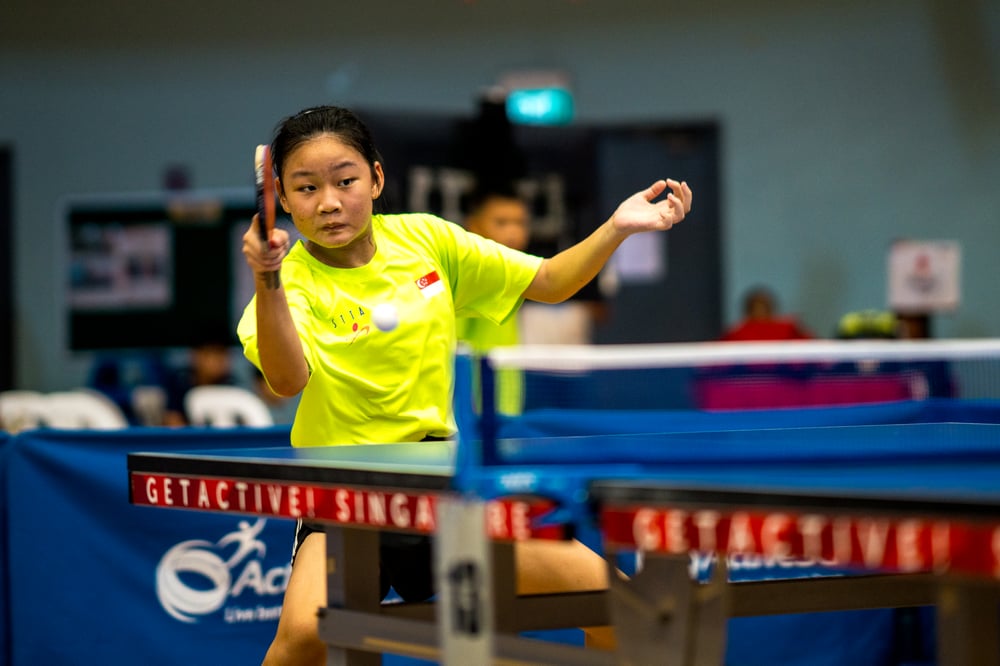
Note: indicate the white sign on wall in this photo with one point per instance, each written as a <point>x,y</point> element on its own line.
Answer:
<point>924,276</point>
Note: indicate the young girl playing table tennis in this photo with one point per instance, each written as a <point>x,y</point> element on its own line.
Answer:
<point>311,332</point>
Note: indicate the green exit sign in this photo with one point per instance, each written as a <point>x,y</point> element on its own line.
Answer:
<point>540,106</point>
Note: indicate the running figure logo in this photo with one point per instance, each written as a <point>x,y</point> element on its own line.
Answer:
<point>193,580</point>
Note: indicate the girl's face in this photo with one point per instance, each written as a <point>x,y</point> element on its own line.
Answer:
<point>328,189</point>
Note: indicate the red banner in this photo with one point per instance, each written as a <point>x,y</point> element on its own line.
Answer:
<point>507,519</point>
<point>871,542</point>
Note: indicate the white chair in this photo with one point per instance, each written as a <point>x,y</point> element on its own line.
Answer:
<point>21,410</point>
<point>221,406</point>
<point>149,404</point>
<point>82,409</point>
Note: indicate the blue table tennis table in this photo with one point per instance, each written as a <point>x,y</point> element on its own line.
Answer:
<point>910,511</point>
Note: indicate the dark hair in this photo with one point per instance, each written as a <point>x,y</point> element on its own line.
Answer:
<point>484,194</point>
<point>759,293</point>
<point>295,130</point>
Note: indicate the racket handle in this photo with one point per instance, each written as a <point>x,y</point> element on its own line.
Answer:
<point>265,237</point>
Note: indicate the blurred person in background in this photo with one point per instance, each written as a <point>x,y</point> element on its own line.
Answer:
<point>761,320</point>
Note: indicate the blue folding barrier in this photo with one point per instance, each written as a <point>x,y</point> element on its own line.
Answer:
<point>93,579</point>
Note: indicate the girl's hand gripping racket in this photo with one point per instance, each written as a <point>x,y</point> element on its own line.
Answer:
<point>264,178</point>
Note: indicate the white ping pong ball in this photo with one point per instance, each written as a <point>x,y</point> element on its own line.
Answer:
<point>385,316</point>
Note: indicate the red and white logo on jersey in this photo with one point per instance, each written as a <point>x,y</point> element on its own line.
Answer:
<point>430,284</point>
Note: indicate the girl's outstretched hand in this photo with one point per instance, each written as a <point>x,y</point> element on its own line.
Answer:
<point>640,212</point>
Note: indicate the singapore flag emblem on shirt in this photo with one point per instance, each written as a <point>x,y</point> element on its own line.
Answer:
<point>430,285</point>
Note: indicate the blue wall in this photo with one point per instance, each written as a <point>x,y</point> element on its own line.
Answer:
<point>845,125</point>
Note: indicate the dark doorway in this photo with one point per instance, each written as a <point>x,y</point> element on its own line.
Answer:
<point>6,269</point>
<point>668,291</point>
<point>669,288</point>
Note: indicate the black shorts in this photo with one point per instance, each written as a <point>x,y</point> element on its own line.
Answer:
<point>405,561</point>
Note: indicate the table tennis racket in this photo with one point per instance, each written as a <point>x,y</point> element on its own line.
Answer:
<point>264,178</point>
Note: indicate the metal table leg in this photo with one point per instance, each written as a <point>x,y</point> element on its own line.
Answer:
<point>463,568</point>
<point>662,616</point>
<point>352,583</point>
<point>968,623</point>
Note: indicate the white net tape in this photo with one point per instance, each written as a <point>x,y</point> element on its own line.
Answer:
<point>706,354</point>
<point>732,375</point>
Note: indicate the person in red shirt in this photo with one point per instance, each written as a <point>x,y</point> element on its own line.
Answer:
<point>761,321</point>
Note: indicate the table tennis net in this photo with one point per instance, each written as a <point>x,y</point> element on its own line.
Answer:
<point>714,377</point>
<point>587,396</point>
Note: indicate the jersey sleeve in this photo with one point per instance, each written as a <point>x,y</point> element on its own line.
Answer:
<point>488,279</point>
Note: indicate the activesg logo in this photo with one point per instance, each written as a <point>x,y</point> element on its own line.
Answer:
<point>197,579</point>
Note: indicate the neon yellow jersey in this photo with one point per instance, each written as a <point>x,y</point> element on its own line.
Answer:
<point>369,386</point>
<point>483,335</point>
